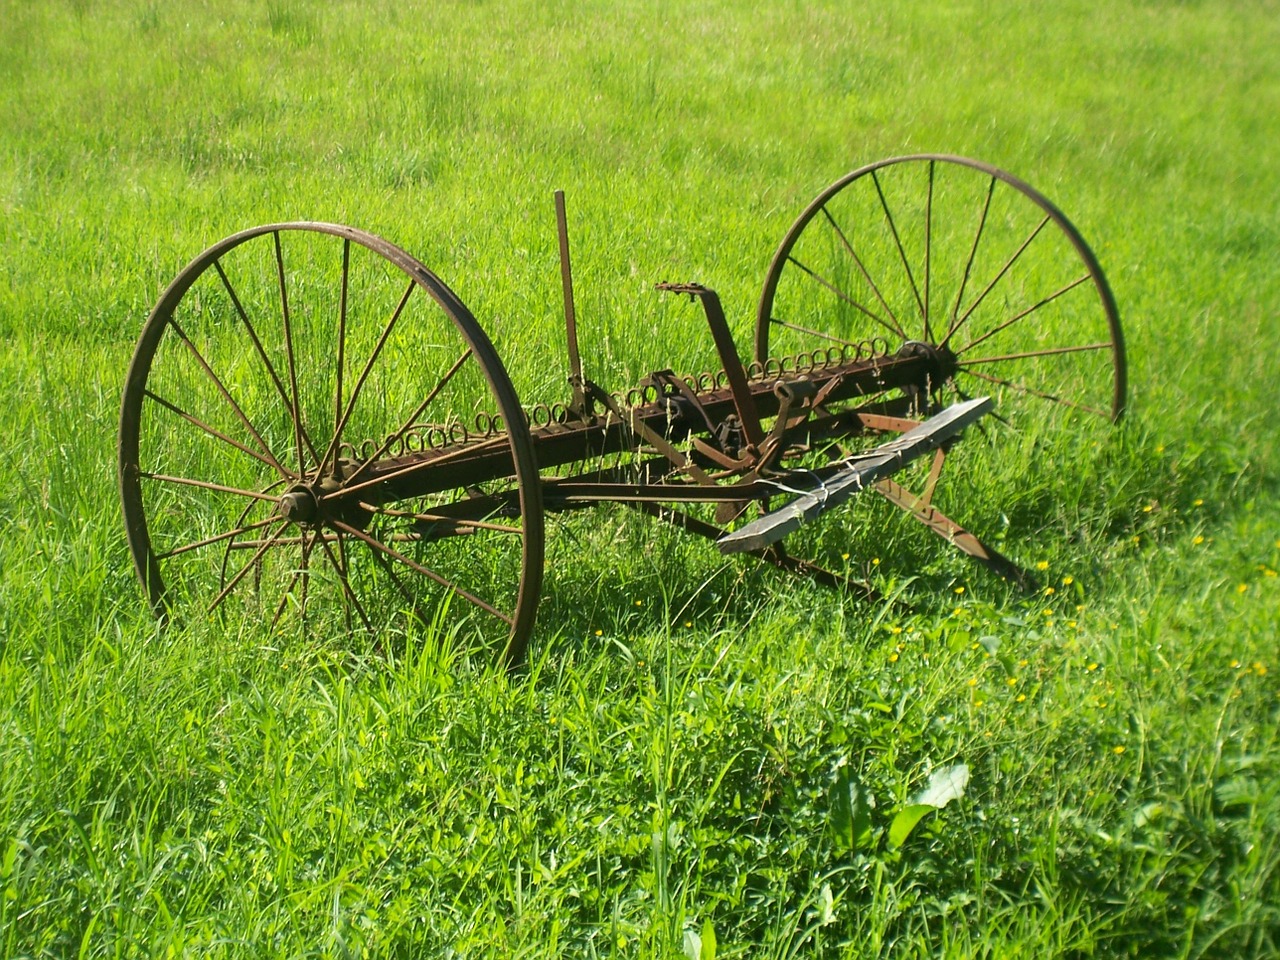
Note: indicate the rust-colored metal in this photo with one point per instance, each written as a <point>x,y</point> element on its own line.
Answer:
<point>362,485</point>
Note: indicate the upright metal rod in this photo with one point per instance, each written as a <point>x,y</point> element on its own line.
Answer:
<point>566,276</point>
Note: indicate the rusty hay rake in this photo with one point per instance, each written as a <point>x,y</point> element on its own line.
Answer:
<point>315,427</point>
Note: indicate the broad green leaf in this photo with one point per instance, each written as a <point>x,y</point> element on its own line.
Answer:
<point>906,821</point>
<point>945,785</point>
<point>850,813</point>
<point>708,940</point>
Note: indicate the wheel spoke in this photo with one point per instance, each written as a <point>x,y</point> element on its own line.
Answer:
<point>1031,391</point>
<point>288,348</point>
<point>340,567</point>
<point>404,427</point>
<point>996,279</point>
<point>441,518</point>
<point>968,266</point>
<point>845,297</point>
<point>1025,313</point>
<point>284,599</point>
<point>299,574</point>
<point>1047,352</point>
<point>259,349</point>
<point>226,395</point>
<point>208,541</point>
<point>928,242</point>
<point>426,572</point>
<point>390,571</point>
<point>342,346</point>
<point>364,374</point>
<point>213,432</point>
<point>206,485</point>
<point>257,555</point>
<point>812,333</point>
<point>902,254</point>
<point>896,325</point>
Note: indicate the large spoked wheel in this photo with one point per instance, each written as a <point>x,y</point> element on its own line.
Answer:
<point>962,260</point>
<point>316,431</point>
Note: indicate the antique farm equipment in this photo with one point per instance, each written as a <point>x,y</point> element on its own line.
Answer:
<point>316,427</point>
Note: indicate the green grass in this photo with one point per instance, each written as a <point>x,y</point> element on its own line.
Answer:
<point>671,762</point>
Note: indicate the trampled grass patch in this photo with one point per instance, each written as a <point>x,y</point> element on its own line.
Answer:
<point>701,757</point>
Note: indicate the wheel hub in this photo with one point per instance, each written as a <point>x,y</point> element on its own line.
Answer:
<point>299,505</point>
<point>942,362</point>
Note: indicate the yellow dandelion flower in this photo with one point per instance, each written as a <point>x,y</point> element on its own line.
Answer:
<point>959,589</point>
<point>1260,668</point>
<point>1091,667</point>
<point>974,646</point>
<point>1147,509</point>
<point>1268,572</point>
<point>893,658</point>
<point>1023,663</point>
<point>639,603</point>
<point>978,703</point>
<point>1048,613</point>
<point>1242,588</point>
<point>1020,698</point>
<point>1072,624</point>
<point>973,681</point>
<point>1068,580</point>
<point>1042,565</point>
<point>1012,681</point>
<point>1235,664</point>
<point>844,556</point>
<point>1197,502</point>
<point>875,561</point>
<point>1197,540</point>
<point>599,633</point>
<point>1118,749</point>
<point>895,630</point>
<point>1160,448</point>
<point>1049,591</point>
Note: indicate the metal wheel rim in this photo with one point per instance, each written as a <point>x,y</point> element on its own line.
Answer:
<point>1095,275</point>
<point>149,566</point>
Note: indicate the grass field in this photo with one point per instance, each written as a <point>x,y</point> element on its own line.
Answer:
<point>703,758</point>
